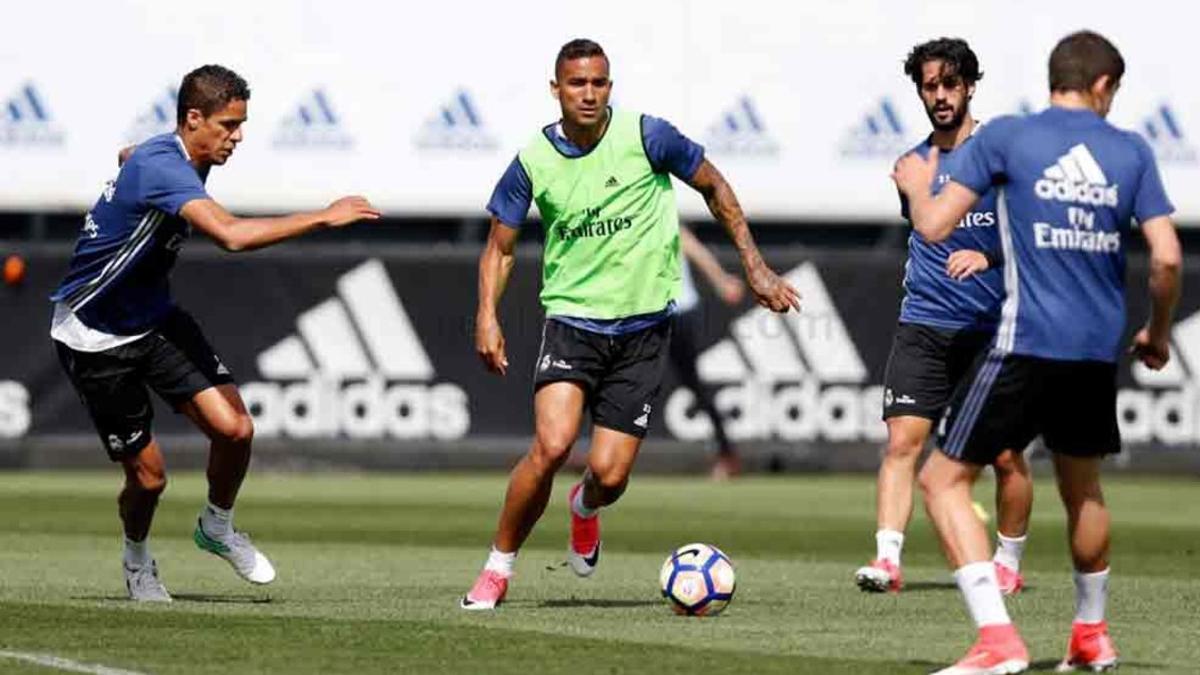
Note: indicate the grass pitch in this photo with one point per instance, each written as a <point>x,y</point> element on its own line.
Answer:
<point>371,569</point>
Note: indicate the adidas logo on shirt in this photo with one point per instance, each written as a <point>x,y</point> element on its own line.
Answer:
<point>1076,177</point>
<point>355,367</point>
<point>788,376</point>
<point>612,182</point>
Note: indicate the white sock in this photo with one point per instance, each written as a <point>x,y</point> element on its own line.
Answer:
<point>137,553</point>
<point>981,591</point>
<point>501,563</point>
<point>216,521</point>
<point>1091,594</point>
<point>579,509</point>
<point>888,544</point>
<point>1009,550</point>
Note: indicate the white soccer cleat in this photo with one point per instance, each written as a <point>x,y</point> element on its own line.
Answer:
<point>144,585</point>
<point>249,563</point>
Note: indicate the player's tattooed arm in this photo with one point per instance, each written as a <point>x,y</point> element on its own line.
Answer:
<point>495,266</point>
<point>1152,343</point>
<point>246,234</point>
<point>934,218</point>
<point>769,289</point>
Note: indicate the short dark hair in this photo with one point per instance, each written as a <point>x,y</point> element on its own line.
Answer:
<point>954,52</point>
<point>579,48</point>
<point>1079,59</point>
<point>209,89</point>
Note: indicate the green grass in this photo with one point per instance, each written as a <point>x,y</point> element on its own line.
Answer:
<point>370,570</point>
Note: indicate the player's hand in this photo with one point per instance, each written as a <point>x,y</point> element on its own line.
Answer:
<point>914,174</point>
<point>124,154</point>
<point>963,263</point>
<point>489,344</point>
<point>771,291</point>
<point>350,210</point>
<point>1154,353</point>
<point>731,290</point>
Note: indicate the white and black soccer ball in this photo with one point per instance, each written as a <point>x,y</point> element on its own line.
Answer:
<point>697,580</point>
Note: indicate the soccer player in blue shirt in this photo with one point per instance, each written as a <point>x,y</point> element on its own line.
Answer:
<point>118,332</point>
<point>952,294</point>
<point>1070,186</point>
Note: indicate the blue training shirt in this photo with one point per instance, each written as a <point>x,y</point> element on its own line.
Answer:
<point>1069,186</point>
<point>667,150</point>
<point>117,279</point>
<point>931,296</point>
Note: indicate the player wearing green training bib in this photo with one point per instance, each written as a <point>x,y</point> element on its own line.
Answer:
<point>601,179</point>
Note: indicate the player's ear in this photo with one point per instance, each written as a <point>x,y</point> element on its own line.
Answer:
<point>970,91</point>
<point>554,89</point>
<point>194,119</point>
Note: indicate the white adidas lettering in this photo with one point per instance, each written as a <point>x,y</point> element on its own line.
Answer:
<point>1165,407</point>
<point>356,367</point>
<point>794,377</point>
<point>1076,177</point>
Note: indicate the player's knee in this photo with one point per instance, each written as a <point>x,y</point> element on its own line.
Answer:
<point>238,430</point>
<point>1011,464</point>
<point>552,447</point>
<point>931,482</point>
<point>904,447</point>
<point>151,479</point>
<point>610,479</point>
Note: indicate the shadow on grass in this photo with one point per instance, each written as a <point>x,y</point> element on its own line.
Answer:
<point>236,599</point>
<point>599,602</point>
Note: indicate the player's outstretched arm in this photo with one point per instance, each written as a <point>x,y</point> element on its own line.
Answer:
<point>769,289</point>
<point>1152,344</point>
<point>495,266</point>
<point>934,218</point>
<point>246,234</point>
<point>729,288</point>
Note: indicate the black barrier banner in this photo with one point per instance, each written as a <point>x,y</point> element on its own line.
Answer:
<point>377,344</point>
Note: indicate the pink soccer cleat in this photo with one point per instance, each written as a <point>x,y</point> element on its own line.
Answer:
<point>1010,580</point>
<point>998,651</point>
<point>1090,648</point>
<point>881,576</point>
<point>583,553</point>
<point>487,593</point>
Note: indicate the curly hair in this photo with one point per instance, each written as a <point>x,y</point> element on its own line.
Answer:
<point>954,52</point>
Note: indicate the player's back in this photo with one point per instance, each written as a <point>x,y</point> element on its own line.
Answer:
<point>1070,184</point>
<point>117,278</point>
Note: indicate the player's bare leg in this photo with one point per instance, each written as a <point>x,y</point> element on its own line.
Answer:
<point>946,484</point>
<point>220,413</point>
<point>1088,532</point>
<point>1014,501</point>
<point>145,480</point>
<point>610,461</point>
<point>558,413</point>
<point>894,501</point>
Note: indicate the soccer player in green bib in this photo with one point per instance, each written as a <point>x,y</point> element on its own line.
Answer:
<point>601,179</point>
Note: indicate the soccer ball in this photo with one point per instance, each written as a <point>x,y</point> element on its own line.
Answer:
<point>697,580</point>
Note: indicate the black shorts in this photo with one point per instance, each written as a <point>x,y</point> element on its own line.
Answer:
<point>925,366</point>
<point>620,373</point>
<point>175,360</point>
<point>1008,400</point>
